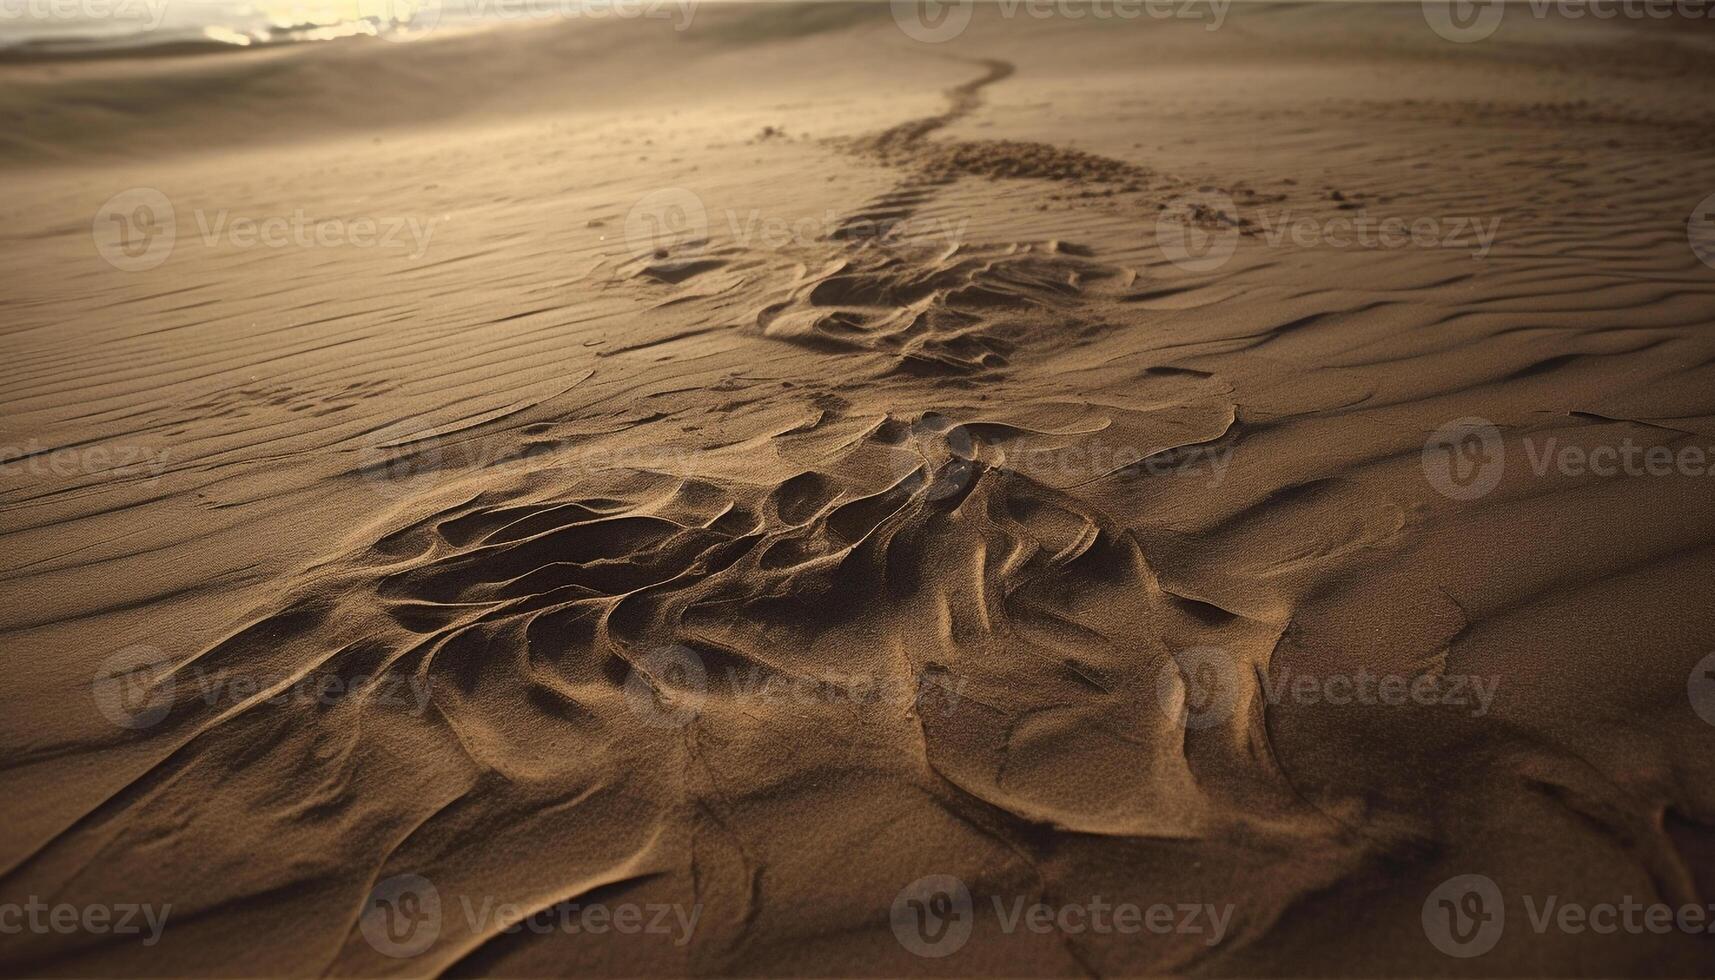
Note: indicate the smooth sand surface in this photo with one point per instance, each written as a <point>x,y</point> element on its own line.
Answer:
<point>719,553</point>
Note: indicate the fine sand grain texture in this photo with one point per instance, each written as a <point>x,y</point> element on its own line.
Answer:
<point>810,495</point>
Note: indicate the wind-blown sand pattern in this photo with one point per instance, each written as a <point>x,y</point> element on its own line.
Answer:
<point>758,577</point>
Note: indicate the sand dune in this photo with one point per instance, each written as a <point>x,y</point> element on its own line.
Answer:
<point>737,475</point>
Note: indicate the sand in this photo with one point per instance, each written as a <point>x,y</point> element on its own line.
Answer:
<point>740,474</point>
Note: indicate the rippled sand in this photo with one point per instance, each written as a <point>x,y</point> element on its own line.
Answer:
<point>737,474</point>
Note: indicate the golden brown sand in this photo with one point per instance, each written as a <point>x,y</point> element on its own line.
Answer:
<point>769,464</point>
